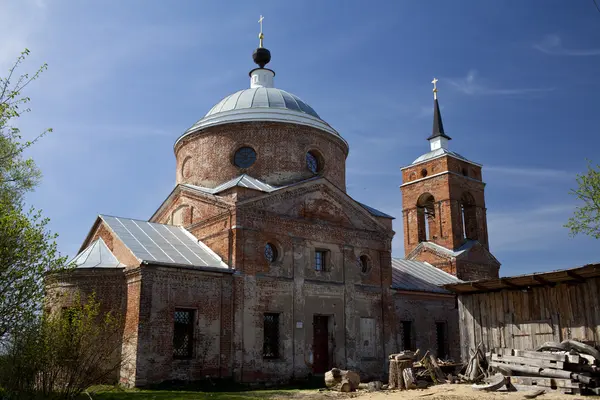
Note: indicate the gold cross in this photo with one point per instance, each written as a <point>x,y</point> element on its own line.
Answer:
<point>260,35</point>
<point>434,81</point>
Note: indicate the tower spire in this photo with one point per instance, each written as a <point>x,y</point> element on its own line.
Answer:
<point>260,35</point>
<point>261,76</point>
<point>438,138</point>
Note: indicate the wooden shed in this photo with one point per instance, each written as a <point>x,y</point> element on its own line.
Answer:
<point>525,311</point>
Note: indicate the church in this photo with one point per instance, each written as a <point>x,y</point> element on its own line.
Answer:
<point>259,266</point>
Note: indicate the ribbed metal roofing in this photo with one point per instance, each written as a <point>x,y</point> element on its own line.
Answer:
<point>419,276</point>
<point>243,180</point>
<point>164,244</point>
<point>96,255</point>
<point>262,97</point>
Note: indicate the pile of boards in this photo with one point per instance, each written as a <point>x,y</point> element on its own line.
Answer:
<point>567,367</point>
<point>408,370</point>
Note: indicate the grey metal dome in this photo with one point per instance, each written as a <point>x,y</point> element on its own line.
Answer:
<point>262,97</point>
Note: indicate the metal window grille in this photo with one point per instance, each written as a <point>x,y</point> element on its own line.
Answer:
<point>320,259</point>
<point>271,335</point>
<point>183,334</point>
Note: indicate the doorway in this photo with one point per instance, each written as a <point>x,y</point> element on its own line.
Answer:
<point>320,344</point>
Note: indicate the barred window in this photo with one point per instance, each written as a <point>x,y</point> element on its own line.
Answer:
<point>271,335</point>
<point>320,260</point>
<point>183,333</point>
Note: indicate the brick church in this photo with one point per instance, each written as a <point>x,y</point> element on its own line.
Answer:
<point>258,266</point>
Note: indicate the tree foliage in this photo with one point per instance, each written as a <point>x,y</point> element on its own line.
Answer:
<point>586,218</point>
<point>64,353</point>
<point>27,248</point>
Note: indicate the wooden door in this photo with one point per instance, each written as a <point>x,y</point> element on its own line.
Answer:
<point>320,344</point>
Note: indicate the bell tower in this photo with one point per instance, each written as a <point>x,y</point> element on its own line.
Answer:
<point>444,214</point>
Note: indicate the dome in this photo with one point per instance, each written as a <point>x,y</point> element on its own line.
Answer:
<point>262,104</point>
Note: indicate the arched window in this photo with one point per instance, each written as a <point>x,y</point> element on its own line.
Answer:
<point>468,213</point>
<point>426,218</point>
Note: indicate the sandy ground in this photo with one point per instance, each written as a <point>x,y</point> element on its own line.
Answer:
<point>440,392</point>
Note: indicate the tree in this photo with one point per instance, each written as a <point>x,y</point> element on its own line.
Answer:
<point>65,352</point>
<point>27,248</point>
<point>586,218</point>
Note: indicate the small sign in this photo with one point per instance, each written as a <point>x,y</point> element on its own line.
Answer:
<point>299,324</point>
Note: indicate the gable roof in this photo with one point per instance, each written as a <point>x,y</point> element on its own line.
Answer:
<point>162,244</point>
<point>244,180</point>
<point>96,255</point>
<point>417,276</point>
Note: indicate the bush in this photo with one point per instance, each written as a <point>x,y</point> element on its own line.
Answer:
<point>63,353</point>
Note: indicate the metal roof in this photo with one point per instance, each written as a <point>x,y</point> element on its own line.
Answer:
<point>419,276</point>
<point>96,255</point>
<point>249,182</point>
<point>262,97</point>
<point>163,244</point>
<point>376,212</point>
<point>244,180</point>
<point>438,153</point>
<point>573,275</point>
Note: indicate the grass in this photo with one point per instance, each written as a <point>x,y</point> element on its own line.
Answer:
<point>112,393</point>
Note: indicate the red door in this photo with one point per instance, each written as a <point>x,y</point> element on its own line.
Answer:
<point>320,344</point>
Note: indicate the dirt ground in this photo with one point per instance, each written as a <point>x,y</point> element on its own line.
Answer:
<point>440,392</point>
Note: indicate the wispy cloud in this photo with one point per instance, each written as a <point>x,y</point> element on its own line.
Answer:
<point>530,172</point>
<point>552,44</point>
<point>530,229</point>
<point>475,86</point>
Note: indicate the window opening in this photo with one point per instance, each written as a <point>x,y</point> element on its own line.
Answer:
<point>364,263</point>
<point>270,252</point>
<point>320,260</point>
<point>440,329</point>
<point>244,157</point>
<point>183,333</point>
<point>407,341</point>
<point>312,162</point>
<point>271,335</point>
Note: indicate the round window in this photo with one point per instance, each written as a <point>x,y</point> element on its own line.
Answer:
<point>244,157</point>
<point>270,253</point>
<point>312,162</point>
<point>364,263</point>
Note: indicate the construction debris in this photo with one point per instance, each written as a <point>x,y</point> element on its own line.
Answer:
<point>568,367</point>
<point>342,380</point>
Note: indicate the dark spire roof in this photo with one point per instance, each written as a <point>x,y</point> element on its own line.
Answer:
<point>261,56</point>
<point>438,126</point>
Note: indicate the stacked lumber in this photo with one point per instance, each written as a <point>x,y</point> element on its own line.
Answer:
<point>568,367</point>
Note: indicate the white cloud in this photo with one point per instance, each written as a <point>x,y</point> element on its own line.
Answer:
<point>529,173</point>
<point>474,86</point>
<point>552,44</point>
<point>528,229</point>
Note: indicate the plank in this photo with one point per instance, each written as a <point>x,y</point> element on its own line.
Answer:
<point>545,382</point>
<point>541,355</point>
<point>594,287</point>
<point>528,361</point>
<point>589,310</point>
<point>464,348</point>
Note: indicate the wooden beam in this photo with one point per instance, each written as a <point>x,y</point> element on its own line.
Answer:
<point>542,280</point>
<point>508,283</point>
<point>575,276</point>
<point>479,286</point>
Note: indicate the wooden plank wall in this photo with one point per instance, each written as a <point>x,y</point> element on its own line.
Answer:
<point>524,318</point>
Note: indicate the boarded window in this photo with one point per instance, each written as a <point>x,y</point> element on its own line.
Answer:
<point>183,333</point>
<point>320,260</point>
<point>367,335</point>
<point>271,335</point>
<point>442,343</point>
<point>407,335</point>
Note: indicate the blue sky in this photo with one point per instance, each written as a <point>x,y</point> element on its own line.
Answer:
<point>518,84</point>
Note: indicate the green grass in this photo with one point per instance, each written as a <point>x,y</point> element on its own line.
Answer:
<point>136,394</point>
